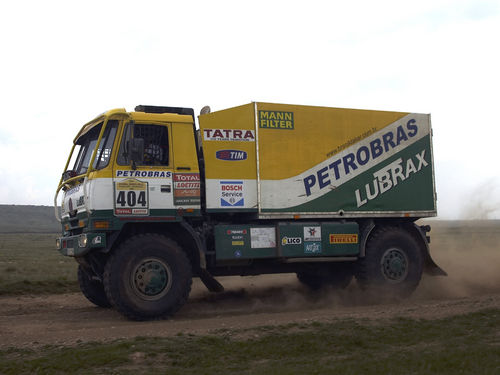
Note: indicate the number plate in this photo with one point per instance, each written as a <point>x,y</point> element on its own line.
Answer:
<point>131,197</point>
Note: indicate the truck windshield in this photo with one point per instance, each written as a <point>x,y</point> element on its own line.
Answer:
<point>87,143</point>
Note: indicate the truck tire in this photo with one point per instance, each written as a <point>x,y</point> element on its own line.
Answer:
<point>337,277</point>
<point>93,290</point>
<point>148,277</point>
<point>393,263</point>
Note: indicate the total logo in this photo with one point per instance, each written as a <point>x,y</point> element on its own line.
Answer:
<point>291,241</point>
<point>231,155</point>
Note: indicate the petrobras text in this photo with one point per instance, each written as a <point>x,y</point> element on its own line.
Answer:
<point>144,174</point>
<point>363,154</point>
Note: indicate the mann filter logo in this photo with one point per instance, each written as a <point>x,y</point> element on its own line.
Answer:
<point>233,135</point>
<point>276,120</point>
<point>231,155</point>
<point>231,194</point>
<point>291,241</point>
<point>343,238</point>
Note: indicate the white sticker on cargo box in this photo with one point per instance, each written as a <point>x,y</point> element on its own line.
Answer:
<point>312,233</point>
<point>232,135</point>
<point>262,238</point>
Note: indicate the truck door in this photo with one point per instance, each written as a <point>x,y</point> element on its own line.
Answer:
<point>144,187</point>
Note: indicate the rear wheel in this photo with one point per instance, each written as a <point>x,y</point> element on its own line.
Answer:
<point>92,289</point>
<point>148,277</point>
<point>393,263</point>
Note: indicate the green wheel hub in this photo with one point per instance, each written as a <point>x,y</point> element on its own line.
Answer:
<point>394,265</point>
<point>151,279</point>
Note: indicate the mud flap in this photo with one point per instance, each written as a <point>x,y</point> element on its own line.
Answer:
<point>210,282</point>
<point>430,267</point>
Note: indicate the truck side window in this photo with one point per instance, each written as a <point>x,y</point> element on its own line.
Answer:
<point>156,148</point>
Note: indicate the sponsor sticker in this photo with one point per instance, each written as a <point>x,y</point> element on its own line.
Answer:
<point>312,233</point>
<point>231,194</point>
<point>343,238</point>
<point>144,174</point>
<point>237,243</point>
<point>236,231</point>
<point>291,241</point>
<point>261,238</point>
<point>231,155</point>
<point>276,120</point>
<point>186,188</point>
<point>233,135</point>
<point>312,247</point>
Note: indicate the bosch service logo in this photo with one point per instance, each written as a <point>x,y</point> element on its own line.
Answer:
<point>231,155</point>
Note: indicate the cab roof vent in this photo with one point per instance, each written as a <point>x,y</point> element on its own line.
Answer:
<point>159,109</point>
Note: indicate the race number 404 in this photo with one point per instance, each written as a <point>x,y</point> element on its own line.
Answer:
<point>131,197</point>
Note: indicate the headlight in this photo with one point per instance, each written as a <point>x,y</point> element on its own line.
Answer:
<point>82,240</point>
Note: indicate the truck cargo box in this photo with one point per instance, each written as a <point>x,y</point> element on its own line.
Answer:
<point>293,161</point>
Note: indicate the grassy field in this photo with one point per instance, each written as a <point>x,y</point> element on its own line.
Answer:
<point>466,344</point>
<point>29,264</point>
<point>23,218</point>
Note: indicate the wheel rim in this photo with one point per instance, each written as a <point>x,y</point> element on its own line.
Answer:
<point>151,279</point>
<point>394,265</point>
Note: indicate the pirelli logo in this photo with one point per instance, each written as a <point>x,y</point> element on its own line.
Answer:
<point>276,120</point>
<point>343,238</point>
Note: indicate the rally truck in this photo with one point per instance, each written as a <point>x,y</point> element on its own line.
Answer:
<point>150,200</point>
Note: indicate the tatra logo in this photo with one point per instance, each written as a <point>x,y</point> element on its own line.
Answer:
<point>229,135</point>
<point>276,120</point>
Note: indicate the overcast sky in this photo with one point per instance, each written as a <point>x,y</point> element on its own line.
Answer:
<point>64,62</point>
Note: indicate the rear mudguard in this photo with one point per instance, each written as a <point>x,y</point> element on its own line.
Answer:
<point>430,267</point>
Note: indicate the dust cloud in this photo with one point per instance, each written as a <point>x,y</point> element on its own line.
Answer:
<point>469,251</point>
<point>483,202</point>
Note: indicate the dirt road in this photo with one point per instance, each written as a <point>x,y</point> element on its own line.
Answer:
<point>471,257</point>
<point>68,319</point>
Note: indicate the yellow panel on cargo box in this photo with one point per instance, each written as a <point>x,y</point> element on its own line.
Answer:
<point>294,138</point>
<point>228,139</point>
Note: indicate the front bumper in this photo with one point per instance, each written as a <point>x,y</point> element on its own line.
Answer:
<point>81,244</point>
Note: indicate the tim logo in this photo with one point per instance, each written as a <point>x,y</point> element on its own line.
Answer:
<point>231,155</point>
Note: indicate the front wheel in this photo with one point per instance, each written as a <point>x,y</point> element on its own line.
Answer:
<point>393,264</point>
<point>148,277</point>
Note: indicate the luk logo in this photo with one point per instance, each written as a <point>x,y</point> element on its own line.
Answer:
<point>291,241</point>
<point>231,155</point>
<point>231,194</point>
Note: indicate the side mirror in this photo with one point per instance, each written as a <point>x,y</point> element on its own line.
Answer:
<point>137,150</point>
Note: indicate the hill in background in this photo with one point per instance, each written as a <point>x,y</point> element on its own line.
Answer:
<point>28,219</point>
